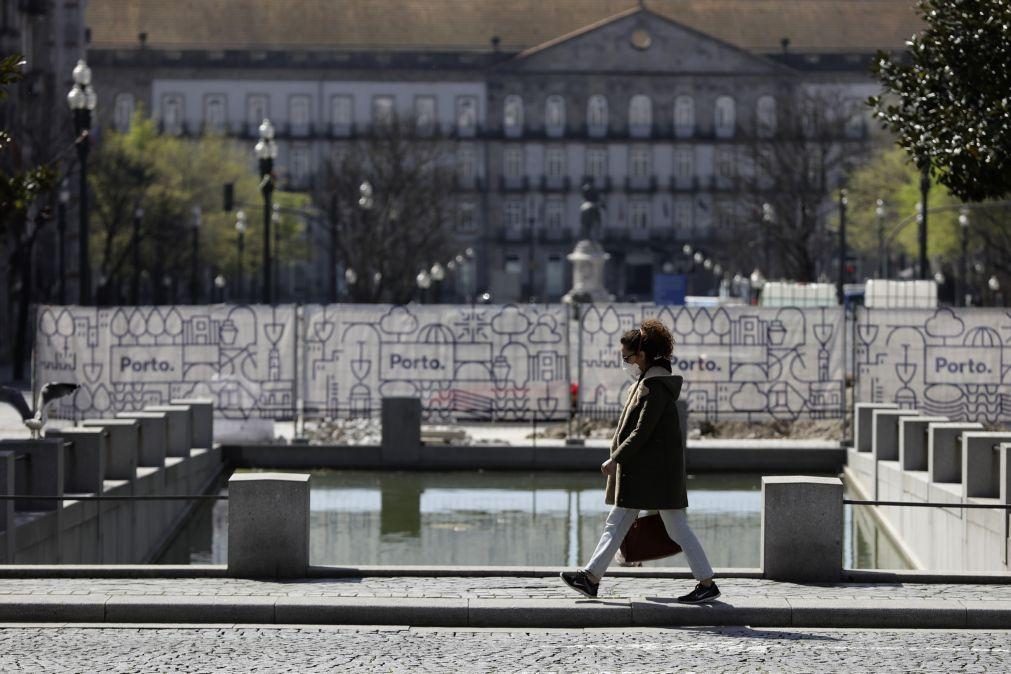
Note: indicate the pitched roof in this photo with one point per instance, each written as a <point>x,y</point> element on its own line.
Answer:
<point>755,25</point>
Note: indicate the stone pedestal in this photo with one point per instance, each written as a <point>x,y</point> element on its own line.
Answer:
<point>268,525</point>
<point>802,528</point>
<point>588,260</point>
<point>401,443</point>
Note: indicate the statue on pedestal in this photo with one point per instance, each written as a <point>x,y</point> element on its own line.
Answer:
<point>588,258</point>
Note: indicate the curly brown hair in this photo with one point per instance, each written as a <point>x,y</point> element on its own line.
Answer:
<point>656,342</point>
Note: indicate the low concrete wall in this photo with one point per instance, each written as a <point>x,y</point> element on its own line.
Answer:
<point>100,458</point>
<point>955,463</point>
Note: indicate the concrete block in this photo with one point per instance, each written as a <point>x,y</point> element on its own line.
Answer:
<point>604,612</point>
<point>987,614</point>
<point>268,525</point>
<point>202,419</point>
<point>878,613</point>
<point>913,441</point>
<point>153,437</point>
<point>944,450</point>
<point>7,507</point>
<point>885,432</point>
<point>401,441</point>
<point>758,612</point>
<point>802,528</point>
<point>189,609</point>
<point>43,474</point>
<point>414,611</point>
<point>124,446</point>
<point>863,424</point>
<point>981,464</point>
<point>180,433</point>
<point>84,458</point>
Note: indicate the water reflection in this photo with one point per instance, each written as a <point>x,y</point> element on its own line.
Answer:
<point>507,519</point>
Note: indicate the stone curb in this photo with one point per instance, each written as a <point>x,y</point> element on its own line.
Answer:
<point>508,613</point>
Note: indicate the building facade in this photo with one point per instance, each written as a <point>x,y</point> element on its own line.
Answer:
<point>661,106</point>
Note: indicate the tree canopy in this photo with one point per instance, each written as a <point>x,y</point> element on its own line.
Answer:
<point>948,99</point>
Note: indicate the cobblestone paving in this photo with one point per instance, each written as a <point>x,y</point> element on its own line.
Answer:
<point>38,649</point>
<point>480,588</point>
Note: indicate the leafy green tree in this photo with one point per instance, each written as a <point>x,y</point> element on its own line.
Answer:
<point>947,100</point>
<point>24,211</point>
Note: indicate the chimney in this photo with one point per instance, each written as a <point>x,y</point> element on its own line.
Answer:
<point>495,40</point>
<point>785,42</point>
<point>143,39</point>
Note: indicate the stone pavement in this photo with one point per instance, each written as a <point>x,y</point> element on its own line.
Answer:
<point>501,602</point>
<point>251,648</point>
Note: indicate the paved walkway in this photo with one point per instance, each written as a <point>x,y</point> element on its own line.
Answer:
<point>501,602</point>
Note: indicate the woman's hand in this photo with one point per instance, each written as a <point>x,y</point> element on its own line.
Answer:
<point>609,467</point>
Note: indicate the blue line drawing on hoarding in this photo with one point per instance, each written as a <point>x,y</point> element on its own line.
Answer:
<point>738,362</point>
<point>480,362</point>
<point>947,362</point>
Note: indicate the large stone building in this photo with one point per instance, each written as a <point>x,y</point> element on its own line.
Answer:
<point>660,102</point>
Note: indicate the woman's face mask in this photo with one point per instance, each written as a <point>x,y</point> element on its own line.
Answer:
<point>630,369</point>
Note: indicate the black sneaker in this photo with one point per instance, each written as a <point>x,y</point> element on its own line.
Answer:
<point>701,594</point>
<point>580,582</point>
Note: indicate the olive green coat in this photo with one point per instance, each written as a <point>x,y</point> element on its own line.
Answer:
<point>647,447</point>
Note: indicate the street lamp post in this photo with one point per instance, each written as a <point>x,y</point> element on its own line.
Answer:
<point>195,257</point>
<point>138,216</point>
<point>438,273</point>
<point>82,101</point>
<point>768,216</point>
<point>963,264</point>
<point>61,225</point>
<point>424,281</point>
<point>334,215</point>
<point>240,229</point>
<point>266,152</point>
<point>924,192</point>
<point>843,202</point>
<point>879,212</point>
<point>533,253</point>
<point>275,223</point>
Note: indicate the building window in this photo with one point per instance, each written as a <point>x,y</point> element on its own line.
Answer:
<point>684,116</point>
<point>214,113</point>
<point>596,116</point>
<point>513,215</point>
<point>596,165</point>
<point>724,117</point>
<point>466,116</point>
<point>513,264</point>
<point>554,215</point>
<point>724,162</point>
<point>554,116</point>
<point>640,116</point>
<point>512,162</point>
<point>123,112</point>
<point>257,110</point>
<point>466,164</point>
<point>683,214</point>
<point>765,117</point>
<point>726,215</point>
<point>554,162</point>
<point>639,162</point>
<point>466,222</point>
<point>382,112</point>
<point>684,163</point>
<point>638,215</point>
<point>424,115</point>
<point>342,117</point>
<point>512,116</point>
<point>856,123</point>
<point>172,114</point>
<point>298,165</point>
<point>554,276</point>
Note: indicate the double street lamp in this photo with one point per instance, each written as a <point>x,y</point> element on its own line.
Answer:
<point>82,101</point>
<point>61,225</point>
<point>240,230</point>
<point>266,152</point>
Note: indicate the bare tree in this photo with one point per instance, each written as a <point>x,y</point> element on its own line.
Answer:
<point>803,147</point>
<point>402,227</point>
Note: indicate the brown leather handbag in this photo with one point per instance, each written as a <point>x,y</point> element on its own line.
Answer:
<point>648,540</point>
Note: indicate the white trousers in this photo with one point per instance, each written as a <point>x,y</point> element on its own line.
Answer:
<point>620,520</point>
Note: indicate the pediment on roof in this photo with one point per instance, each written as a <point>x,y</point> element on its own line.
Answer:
<point>641,41</point>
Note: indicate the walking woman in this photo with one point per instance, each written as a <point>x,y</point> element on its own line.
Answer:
<point>646,470</point>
